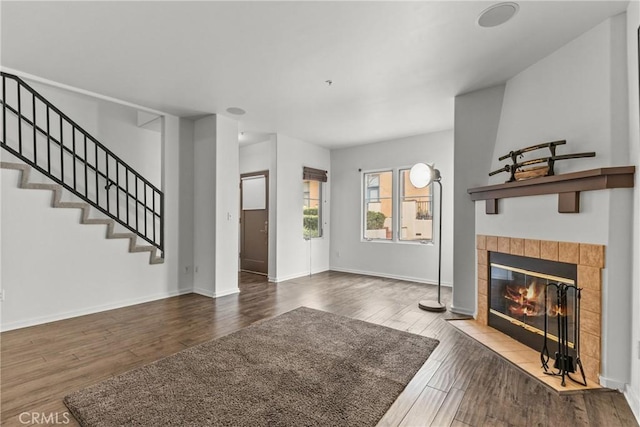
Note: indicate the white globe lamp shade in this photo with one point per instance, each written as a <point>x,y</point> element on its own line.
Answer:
<point>421,175</point>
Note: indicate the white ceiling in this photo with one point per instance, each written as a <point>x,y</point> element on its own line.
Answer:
<point>395,66</point>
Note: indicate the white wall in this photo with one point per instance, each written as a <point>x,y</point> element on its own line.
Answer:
<point>477,115</point>
<point>261,157</point>
<point>1,240</point>
<point>204,141</point>
<point>633,23</point>
<point>295,256</point>
<point>114,125</point>
<point>216,206</point>
<point>256,157</point>
<point>578,93</point>
<point>406,260</point>
<point>187,203</point>
<point>52,267</point>
<point>569,95</point>
<point>227,185</point>
<point>171,282</point>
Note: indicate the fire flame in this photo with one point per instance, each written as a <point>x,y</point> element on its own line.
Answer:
<point>556,310</point>
<point>529,300</point>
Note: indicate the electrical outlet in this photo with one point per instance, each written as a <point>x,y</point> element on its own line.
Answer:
<point>2,295</point>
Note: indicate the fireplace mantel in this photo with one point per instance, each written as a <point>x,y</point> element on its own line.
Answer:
<point>567,186</point>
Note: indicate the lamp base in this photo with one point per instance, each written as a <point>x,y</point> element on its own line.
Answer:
<point>432,306</point>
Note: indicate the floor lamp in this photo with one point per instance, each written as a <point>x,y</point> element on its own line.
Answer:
<point>420,176</point>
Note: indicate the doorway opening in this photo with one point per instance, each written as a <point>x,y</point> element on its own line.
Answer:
<point>254,222</point>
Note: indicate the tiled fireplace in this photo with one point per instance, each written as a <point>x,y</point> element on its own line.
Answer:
<point>585,260</point>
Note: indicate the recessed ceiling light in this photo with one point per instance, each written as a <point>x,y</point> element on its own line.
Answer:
<point>236,111</point>
<point>497,14</point>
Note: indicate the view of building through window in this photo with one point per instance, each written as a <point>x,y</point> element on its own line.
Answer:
<point>416,210</point>
<point>312,208</point>
<point>378,205</point>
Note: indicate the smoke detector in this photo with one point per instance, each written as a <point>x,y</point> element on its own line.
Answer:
<point>497,14</point>
<point>236,111</point>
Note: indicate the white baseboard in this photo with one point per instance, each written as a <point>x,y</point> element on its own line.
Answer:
<point>389,276</point>
<point>227,292</point>
<point>209,293</point>
<point>634,401</point>
<point>90,310</point>
<point>613,384</point>
<point>204,292</point>
<point>462,311</point>
<point>292,276</point>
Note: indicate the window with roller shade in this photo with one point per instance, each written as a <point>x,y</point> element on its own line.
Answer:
<point>312,184</point>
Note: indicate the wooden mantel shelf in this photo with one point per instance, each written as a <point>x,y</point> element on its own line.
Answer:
<point>567,186</point>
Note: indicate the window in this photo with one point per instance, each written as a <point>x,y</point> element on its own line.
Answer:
<point>378,205</point>
<point>312,208</point>
<point>416,210</point>
<point>312,180</point>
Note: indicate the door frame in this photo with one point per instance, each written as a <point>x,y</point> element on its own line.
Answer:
<point>264,173</point>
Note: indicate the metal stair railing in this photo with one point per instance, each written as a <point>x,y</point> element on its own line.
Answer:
<point>42,136</point>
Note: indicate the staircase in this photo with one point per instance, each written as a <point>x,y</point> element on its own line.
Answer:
<point>43,138</point>
<point>56,202</point>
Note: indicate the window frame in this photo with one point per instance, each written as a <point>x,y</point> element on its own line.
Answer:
<point>320,207</point>
<point>363,203</point>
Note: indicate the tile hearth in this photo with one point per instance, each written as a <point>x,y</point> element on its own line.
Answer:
<point>518,354</point>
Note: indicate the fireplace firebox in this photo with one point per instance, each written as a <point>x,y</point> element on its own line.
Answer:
<point>524,302</point>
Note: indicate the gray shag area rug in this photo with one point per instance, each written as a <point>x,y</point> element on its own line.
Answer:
<point>302,368</point>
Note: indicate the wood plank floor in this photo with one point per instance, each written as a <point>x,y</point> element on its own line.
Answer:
<point>461,384</point>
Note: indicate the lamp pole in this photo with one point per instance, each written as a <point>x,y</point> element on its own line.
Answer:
<point>429,305</point>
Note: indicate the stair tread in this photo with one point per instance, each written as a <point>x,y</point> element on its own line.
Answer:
<point>77,205</point>
<point>93,221</point>
<point>16,166</point>
<point>142,249</point>
<point>39,186</point>
<point>121,236</point>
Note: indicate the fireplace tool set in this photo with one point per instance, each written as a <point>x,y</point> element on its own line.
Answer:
<point>564,363</point>
<point>517,171</point>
